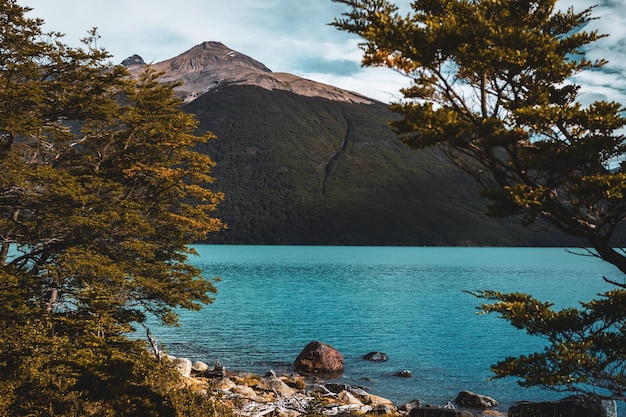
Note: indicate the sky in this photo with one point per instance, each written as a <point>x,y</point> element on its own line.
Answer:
<point>291,36</point>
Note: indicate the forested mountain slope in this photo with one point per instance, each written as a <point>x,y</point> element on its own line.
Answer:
<point>309,170</point>
<point>302,162</point>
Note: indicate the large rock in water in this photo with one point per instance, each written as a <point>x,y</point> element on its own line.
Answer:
<point>574,406</point>
<point>320,358</point>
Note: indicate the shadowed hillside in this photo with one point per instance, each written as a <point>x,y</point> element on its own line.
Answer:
<point>308,170</point>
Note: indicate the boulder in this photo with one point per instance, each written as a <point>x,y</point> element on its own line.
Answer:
<point>410,405</point>
<point>473,400</point>
<point>375,401</point>
<point>404,374</point>
<point>574,406</point>
<point>272,383</point>
<point>376,357</point>
<point>347,397</point>
<point>320,358</point>
<point>224,384</point>
<point>244,390</point>
<point>199,367</point>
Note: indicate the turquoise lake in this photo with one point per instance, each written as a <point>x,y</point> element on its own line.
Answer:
<point>408,302</point>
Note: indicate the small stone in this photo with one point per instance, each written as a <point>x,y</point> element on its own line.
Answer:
<point>376,357</point>
<point>218,371</point>
<point>383,410</point>
<point>404,374</point>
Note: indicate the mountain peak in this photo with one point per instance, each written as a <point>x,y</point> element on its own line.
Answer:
<point>133,60</point>
<point>213,57</point>
<point>211,65</point>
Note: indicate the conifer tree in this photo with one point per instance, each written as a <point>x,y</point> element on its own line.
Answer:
<point>492,86</point>
<point>101,193</point>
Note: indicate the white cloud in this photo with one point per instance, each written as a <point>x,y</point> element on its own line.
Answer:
<point>609,19</point>
<point>285,35</point>
<point>380,83</point>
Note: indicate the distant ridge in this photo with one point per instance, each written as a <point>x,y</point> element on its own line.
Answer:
<point>211,65</point>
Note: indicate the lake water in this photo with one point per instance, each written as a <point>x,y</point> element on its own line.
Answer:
<point>408,302</point>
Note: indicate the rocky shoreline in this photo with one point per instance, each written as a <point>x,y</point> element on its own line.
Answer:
<point>297,395</point>
<point>306,393</point>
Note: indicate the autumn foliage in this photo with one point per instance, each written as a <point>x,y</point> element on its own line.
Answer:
<point>100,195</point>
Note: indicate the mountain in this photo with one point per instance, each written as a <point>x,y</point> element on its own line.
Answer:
<point>212,64</point>
<point>302,162</point>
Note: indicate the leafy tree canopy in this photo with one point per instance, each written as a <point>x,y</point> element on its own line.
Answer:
<point>492,85</point>
<point>100,194</point>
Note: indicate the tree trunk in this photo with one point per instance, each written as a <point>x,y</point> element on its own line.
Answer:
<point>609,254</point>
<point>4,253</point>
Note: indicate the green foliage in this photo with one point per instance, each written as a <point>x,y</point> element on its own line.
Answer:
<point>100,194</point>
<point>492,86</point>
<point>88,377</point>
<point>587,350</point>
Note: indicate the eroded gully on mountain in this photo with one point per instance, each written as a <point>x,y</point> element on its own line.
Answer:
<point>331,165</point>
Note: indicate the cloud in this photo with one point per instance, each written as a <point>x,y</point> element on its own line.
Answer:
<point>286,35</point>
<point>609,83</point>
<point>380,84</point>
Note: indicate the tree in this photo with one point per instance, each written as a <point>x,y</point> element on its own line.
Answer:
<point>100,194</point>
<point>492,86</point>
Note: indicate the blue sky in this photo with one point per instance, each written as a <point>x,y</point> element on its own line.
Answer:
<point>287,36</point>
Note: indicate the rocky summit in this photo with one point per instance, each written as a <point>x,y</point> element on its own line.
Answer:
<point>212,65</point>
